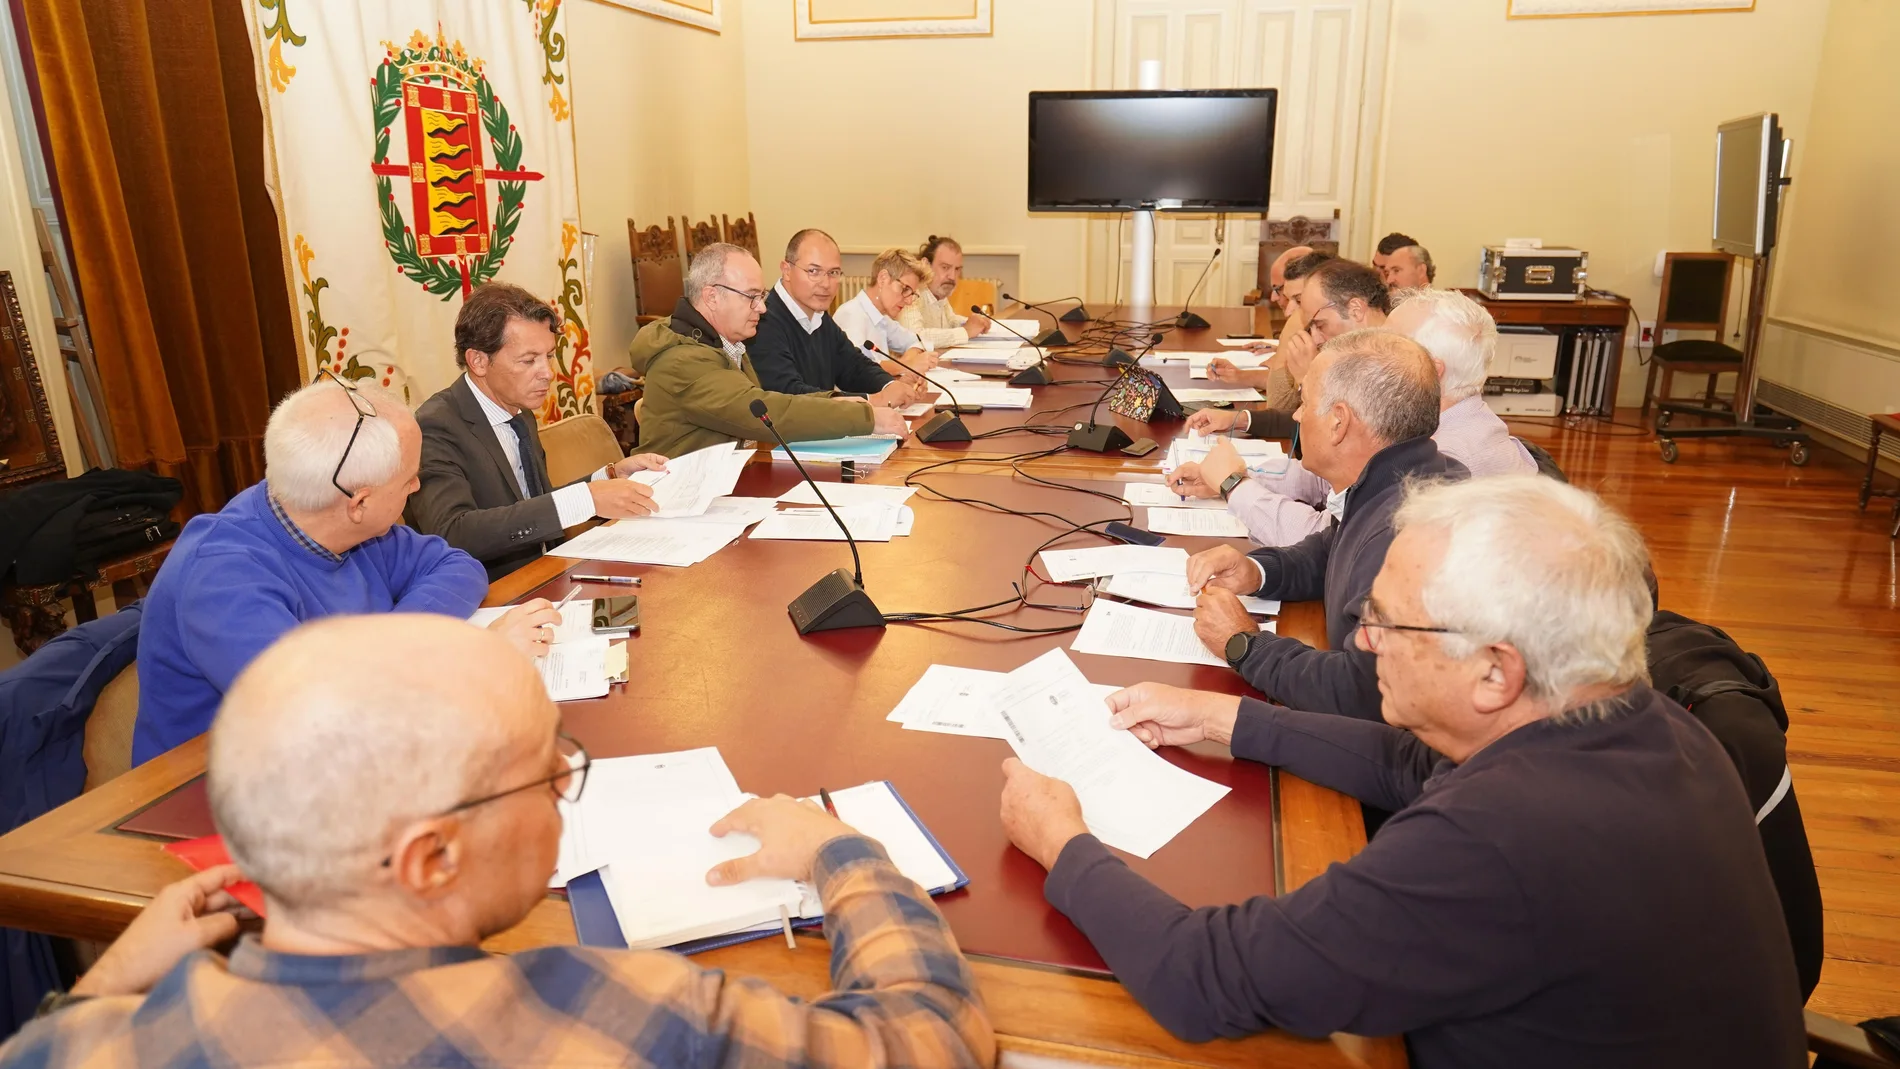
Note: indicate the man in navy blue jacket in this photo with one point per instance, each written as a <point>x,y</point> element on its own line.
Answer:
<point>1367,420</point>
<point>1572,877</point>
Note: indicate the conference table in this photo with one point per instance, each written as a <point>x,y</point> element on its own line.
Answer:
<point>716,662</point>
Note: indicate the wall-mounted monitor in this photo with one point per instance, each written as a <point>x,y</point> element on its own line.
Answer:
<point>1203,150</point>
<point>1749,168</point>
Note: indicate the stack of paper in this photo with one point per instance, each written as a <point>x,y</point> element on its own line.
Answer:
<point>1000,331</point>
<point>959,701</point>
<point>1259,455</point>
<point>849,494</point>
<point>990,396</point>
<point>872,522</point>
<point>1232,394</point>
<point>575,665</point>
<point>1170,591</point>
<point>1132,798</point>
<point>989,354</point>
<point>691,483</point>
<point>1235,342</point>
<point>675,542</point>
<point>1156,495</point>
<point>744,511</point>
<point>1206,523</point>
<point>953,375</point>
<point>863,449</point>
<point>1068,565</point>
<point>1112,629</point>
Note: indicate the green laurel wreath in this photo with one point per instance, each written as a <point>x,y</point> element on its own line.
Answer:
<point>440,275</point>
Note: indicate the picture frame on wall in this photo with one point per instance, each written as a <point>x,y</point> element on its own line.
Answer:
<point>703,14</point>
<point>29,445</point>
<point>820,20</point>
<point>1567,9</point>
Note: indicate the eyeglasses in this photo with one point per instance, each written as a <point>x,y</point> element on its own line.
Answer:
<point>757,297</point>
<point>814,272</point>
<point>909,293</point>
<point>1313,320</point>
<point>1368,628</point>
<point>364,410</point>
<point>567,783</point>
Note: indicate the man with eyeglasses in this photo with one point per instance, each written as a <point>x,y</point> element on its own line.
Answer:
<point>701,379</point>
<point>1370,410</point>
<point>1572,877</point>
<point>321,535</point>
<point>1273,418</point>
<point>396,816</point>
<point>799,348</point>
<point>485,484</point>
<point>897,277</point>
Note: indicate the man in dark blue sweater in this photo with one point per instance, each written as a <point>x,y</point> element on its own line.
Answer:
<point>1572,877</point>
<point>799,348</point>
<point>1370,410</point>
<point>322,535</point>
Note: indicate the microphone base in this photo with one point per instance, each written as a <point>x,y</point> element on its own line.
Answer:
<point>1099,437</point>
<point>1053,337</point>
<point>943,427</point>
<point>967,410</point>
<point>1034,375</point>
<point>1190,321</point>
<point>1118,358</point>
<point>832,603</point>
<point>1078,314</point>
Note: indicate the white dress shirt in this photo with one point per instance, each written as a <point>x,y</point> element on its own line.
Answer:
<point>811,322</point>
<point>860,319</point>
<point>934,321</point>
<point>574,504</point>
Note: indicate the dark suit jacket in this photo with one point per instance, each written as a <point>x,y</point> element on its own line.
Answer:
<point>469,495</point>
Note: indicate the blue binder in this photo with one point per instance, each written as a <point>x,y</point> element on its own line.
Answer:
<point>595,924</point>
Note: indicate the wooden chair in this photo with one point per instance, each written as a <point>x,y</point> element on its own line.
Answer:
<point>659,279</point>
<point>700,235</point>
<point>971,291</point>
<point>1695,287</point>
<point>743,232</point>
<point>107,744</point>
<point>578,445</point>
<point>37,613</point>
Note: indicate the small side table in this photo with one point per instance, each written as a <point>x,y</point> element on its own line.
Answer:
<point>35,613</point>
<point>1882,425</point>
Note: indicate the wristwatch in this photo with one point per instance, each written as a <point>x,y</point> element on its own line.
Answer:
<point>55,1001</point>
<point>1239,645</point>
<point>1227,485</point>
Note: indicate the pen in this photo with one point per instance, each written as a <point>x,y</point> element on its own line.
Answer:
<point>825,797</point>
<point>785,918</point>
<point>623,580</point>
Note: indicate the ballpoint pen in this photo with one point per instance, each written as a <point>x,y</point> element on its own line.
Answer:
<point>622,580</point>
<point>825,797</point>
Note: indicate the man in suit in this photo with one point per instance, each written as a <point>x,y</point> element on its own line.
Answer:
<point>484,475</point>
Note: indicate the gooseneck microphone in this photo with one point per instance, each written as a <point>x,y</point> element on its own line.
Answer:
<point>1078,314</point>
<point>838,600</point>
<point>1192,320</point>
<point>1035,374</point>
<point>941,426</point>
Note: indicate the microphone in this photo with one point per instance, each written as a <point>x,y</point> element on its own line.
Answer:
<point>1055,335</point>
<point>1190,320</point>
<point>941,426</point>
<point>838,600</point>
<point>1034,375</point>
<point>1101,437</point>
<point>1078,314</point>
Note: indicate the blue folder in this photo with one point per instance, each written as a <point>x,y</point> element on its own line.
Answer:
<point>595,924</point>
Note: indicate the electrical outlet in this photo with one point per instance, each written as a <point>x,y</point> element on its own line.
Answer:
<point>1648,335</point>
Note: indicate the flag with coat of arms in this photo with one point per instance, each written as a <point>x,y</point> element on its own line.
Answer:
<point>418,150</point>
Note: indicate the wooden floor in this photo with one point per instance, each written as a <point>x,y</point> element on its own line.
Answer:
<point>1780,558</point>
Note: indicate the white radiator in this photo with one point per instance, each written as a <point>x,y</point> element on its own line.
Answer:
<point>851,285</point>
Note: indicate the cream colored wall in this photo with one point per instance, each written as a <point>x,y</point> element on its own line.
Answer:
<point>660,120</point>
<point>1592,132</point>
<point>885,142</point>
<point>1835,330</point>
<point>20,254</point>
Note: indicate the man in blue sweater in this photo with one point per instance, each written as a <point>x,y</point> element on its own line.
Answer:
<point>1572,877</point>
<point>322,535</point>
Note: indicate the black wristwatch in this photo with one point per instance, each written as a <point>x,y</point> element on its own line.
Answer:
<point>55,1001</point>
<point>1227,485</point>
<point>1239,645</point>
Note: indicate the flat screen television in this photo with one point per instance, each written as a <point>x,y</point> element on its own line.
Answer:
<point>1206,150</point>
<point>1749,168</point>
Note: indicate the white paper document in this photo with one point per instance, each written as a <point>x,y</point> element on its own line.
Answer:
<point>744,511</point>
<point>1237,342</point>
<point>874,809</point>
<point>1132,798</point>
<point>1170,591</point>
<point>1218,393</point>
<point>921,408</point>
<point>1112,629</point>
<point>991,397</point>
<point>577,622</point>
<point>675,542</point>
<point>959,701</point>
<point>1260,455</point>
<point>1157,495</point>
<point>996,355</point>
<point>906,521</point>
<point>647,819</point>
<point>1000,328</point>
<point>575,670</point>
<point>1203,522</point>
<point>690,483</point>
<point>1068,565</point>
<point>950,374</point>
<point>848,494</point>
<point>868,523</point>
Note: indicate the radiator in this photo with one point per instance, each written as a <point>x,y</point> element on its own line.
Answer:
<point>1841,422</point>
<point>851,285</point>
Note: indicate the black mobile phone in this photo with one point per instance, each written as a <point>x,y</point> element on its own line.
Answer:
<point>1140,447</point>
<point>1134,536</point>
<point>616,616</point>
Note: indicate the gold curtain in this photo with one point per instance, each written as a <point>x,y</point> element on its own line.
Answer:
<point>156,142</point>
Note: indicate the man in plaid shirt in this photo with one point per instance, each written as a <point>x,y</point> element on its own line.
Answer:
<point>397,813</point>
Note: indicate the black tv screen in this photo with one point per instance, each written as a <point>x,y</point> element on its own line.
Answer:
<point>1187,150</point>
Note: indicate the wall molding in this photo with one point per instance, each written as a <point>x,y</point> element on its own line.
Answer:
<point>1854,341</point>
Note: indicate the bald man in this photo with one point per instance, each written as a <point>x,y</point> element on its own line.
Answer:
<point>397,815</point>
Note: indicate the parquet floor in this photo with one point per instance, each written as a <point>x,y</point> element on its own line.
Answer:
<point>1779,557</point>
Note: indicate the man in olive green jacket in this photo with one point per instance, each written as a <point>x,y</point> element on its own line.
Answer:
<point>699,381</point>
